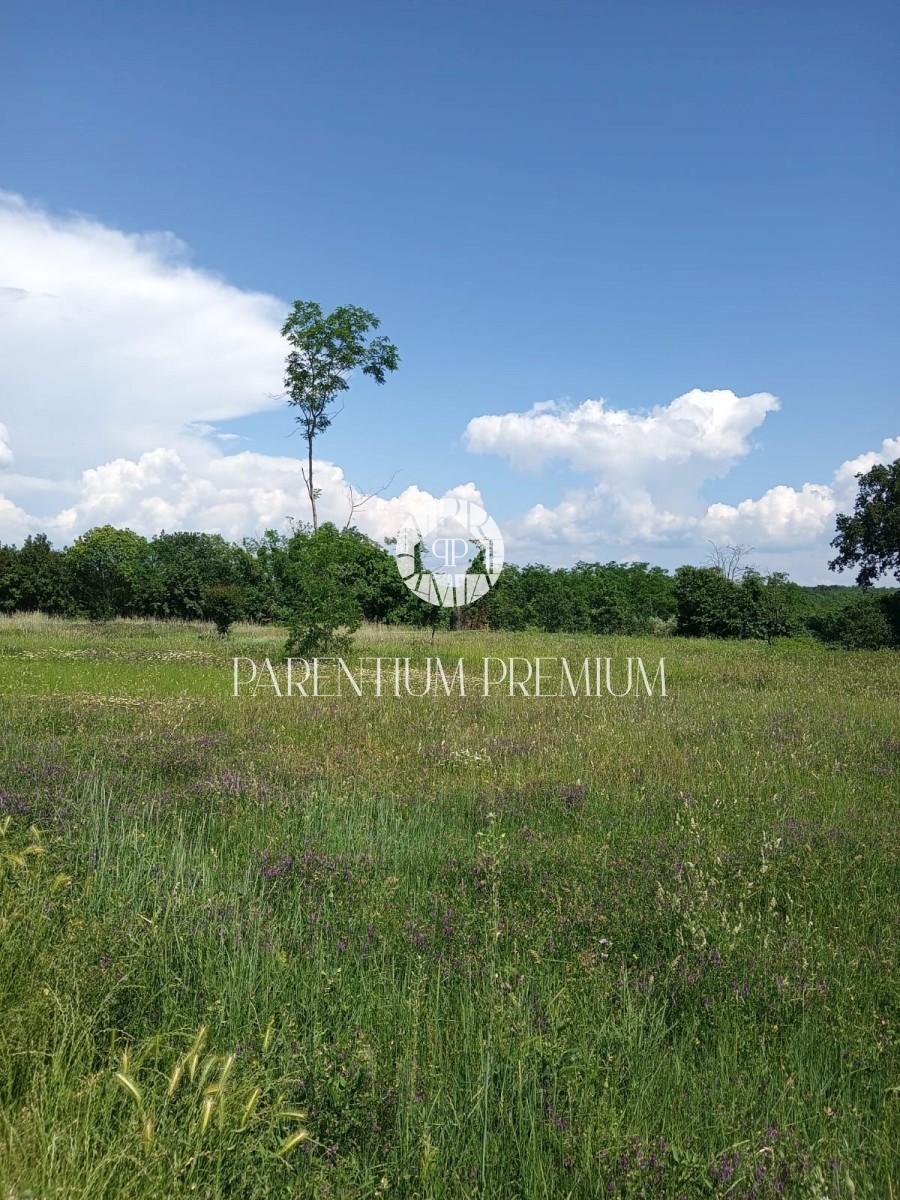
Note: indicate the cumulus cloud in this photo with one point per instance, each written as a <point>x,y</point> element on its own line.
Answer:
<point>6,454</point>
<point>111,343</point>
<point>784,516</point>
<point>118,357</point>
<point>648,473</point>
<point>15,523</point>
<point>845,483</point>
<point>236,495</point>
<point>781,517</point>
<point>708,430</point>
<point>648,467</point>
<point>782,523</point>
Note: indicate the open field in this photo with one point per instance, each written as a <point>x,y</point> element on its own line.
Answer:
<point>445,947</point>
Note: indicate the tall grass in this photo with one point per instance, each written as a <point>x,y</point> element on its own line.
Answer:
<point>444,947</point>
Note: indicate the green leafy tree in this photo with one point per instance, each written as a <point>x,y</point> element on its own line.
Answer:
<point>325,350</point>
<point>602,594</point>
<point>868,622</point>
<point>322,608</point>
<point>770,605</point>
<point>708,604</point>
<point>870,537</point>
<point>108,572</point>
<point>33,578</point>
<point>506,600</point>
<point>264,592</point>
<point>43,574</point>
<point>11,587</point>
<point>182,565</point>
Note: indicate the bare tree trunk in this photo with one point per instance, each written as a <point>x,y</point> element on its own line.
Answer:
<point>310,488</point>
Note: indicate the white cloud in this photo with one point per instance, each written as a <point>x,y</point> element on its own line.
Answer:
<point>845,483</point>
<point>781,517</point>
<point>118,358</point>
<point>15,524</point>
<point>199,488</point>
<point>649,469</point>
<point>708,430</point>
<point>111,343</point>
<point>588,516</point>
<point>782,524</point>
<point>116,351</point>
<point>785,517</point>
<point>6,454</point>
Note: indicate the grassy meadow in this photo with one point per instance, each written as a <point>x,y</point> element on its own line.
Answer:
<point>445,947</point>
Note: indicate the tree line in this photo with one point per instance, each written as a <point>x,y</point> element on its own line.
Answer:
<point>323,583</point>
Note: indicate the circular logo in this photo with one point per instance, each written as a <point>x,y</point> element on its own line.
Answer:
<point>450,552</point>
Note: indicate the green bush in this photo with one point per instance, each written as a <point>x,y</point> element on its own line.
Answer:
<point>322,609</point>
<point>863,624</point>
<point>223,604</point>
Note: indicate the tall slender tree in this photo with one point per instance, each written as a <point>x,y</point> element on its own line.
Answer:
<point>324,352</point>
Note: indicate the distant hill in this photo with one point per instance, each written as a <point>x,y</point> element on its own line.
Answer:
<point>824,596</point>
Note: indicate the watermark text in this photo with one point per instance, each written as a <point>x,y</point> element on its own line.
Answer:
<point>533,678</point>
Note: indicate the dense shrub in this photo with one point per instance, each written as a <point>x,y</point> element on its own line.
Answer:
<point>321,607</point>
<point>223,604</point>
<point>323,585</point>
<point>868,622</point>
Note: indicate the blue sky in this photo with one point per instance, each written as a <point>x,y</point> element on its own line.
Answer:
<point>543,203</point>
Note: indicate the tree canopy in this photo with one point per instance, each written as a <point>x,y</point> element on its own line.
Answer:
<point>320,584</point>
<point>870,537</point>
<point>325,350</point>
